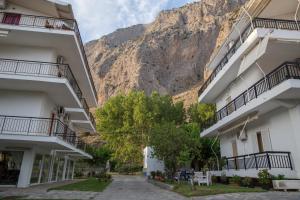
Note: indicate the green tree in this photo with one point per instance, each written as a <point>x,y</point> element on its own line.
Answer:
<point>201,113</point>
<point>100,155</point>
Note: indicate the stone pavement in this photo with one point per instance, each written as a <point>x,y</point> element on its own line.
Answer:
<point>135,188</point>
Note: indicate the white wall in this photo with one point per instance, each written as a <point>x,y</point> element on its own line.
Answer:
<point>278,134</point>
<point>239,85</point>
<point>30,53</point>
<point>22,103</point>
<point>151,163</point>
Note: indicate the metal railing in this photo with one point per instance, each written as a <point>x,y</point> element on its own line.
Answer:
<point>34,126</point>
<point>267,159</point>
<point>85,106</point>
<point>287,70</point>
<point>51,23</point>
<point>256,23</point>
<point>40,69</point>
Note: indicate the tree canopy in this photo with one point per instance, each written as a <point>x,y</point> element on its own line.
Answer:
<point>130,122</point>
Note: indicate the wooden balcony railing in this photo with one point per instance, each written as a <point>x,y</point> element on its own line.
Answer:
<point>256,23</point>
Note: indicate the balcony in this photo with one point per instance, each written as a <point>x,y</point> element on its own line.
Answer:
<point>46,23</point>
<point>256,23</point>
<point>267,159</point>
<point>32,126</point>
<point>40,69</point>
<point>286,71</point>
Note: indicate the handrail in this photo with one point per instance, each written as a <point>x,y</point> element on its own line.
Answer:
<point>38,126</point>
<point>284,72</point>
<point>287,70</point>
<point>266,159</point>
<point>257,23</point>
<point>53,23</point>
<point>36,68</point>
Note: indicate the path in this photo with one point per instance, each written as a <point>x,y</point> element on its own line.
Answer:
<point>137,188</point>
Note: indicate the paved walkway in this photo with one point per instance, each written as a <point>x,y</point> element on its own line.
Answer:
<point>135,188</point>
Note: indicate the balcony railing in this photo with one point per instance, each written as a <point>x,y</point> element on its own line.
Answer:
<point>33,126</point>
<point>267,159</point>
<point>40,69</point>
<point>284,72</point>
<point>48,23</point>
<point>256,23</point>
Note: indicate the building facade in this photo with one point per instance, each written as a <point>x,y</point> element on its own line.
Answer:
<point>151,163</point>
<point>46,90</point>
<point>255,85</point>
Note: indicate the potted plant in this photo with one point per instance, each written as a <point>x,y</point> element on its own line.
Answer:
<point>265,179</point>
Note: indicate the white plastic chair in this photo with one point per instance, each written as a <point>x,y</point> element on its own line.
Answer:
<point>201,179</point>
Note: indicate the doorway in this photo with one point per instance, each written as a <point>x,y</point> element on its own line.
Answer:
<point>260,143</point>
<point>10,166</point>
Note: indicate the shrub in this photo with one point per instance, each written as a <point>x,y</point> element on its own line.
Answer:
<point>278,177</point>
<point>265,179</point>
<point>214,179</point>
<point>235,179</point>
<point>103,177</point>
<point>129,169</point>
<point>224,178</point>
<point>247,182</point>
<point>152,173</point>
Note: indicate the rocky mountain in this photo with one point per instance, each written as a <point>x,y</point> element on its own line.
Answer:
<point>168,55</point>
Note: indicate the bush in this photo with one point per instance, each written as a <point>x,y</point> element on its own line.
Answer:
<point>224,178</point>
<point>214,179</point>
<point>103,177</point>
<point>152,173</point>
<point>247,182</point>
<point>129,169</point>
<point>235,179</point>
<point>265,179</point>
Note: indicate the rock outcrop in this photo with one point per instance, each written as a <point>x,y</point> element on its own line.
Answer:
<point>168,55</point>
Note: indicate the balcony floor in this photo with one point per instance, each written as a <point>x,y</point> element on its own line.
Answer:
<point>284,94</point>
<point>25,142</point>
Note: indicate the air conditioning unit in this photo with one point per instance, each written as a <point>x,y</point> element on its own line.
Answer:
<point>243,135</point>
<point>2,4</point>
<point>60,59</point>
<point>60,111</point>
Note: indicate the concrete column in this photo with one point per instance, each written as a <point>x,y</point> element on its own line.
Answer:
<point>65,169</point>
<point>26,168</point>
<point>73,169</point>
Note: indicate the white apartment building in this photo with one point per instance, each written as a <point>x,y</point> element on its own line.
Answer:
<point>255,84</point>
<point>46,90</point>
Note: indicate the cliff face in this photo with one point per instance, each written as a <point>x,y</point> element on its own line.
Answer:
<point>168,55</point>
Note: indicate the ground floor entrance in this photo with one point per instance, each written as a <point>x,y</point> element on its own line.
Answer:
<point>25,168</point>
<point>10,165</point>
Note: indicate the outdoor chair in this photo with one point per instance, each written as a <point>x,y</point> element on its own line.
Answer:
<point>201,179</point>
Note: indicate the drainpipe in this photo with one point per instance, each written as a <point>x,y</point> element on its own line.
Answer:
<point>250,17</point>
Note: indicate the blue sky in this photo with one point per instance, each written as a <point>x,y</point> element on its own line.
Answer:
<point>100,17</point>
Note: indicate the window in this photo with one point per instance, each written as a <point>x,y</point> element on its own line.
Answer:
<point>11,18</point>
<point>260,142</point>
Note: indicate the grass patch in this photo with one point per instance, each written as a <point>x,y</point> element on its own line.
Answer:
<point>91,184</point>
<point>186,189</point>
